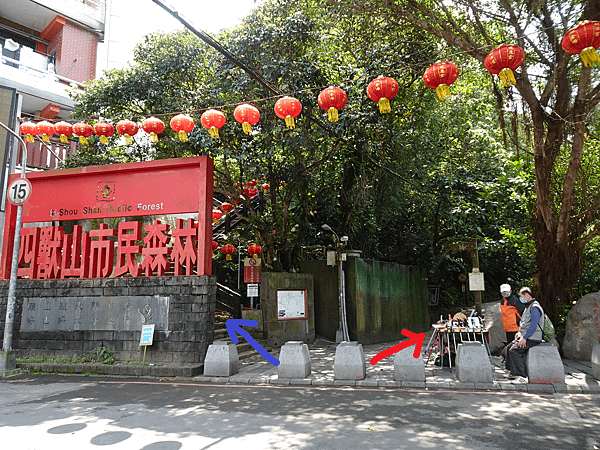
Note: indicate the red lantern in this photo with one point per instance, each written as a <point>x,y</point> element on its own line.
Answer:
<point>127,128</point>
<point>382,90</point>
<point>104,130</point>
<point>440,76</point>
<point>228,250</point>
<point>215,245</point>
<point>46,129</point>
<point>332,100</point>
<point>213,120</point>
<point>255,250</point>
<point>217,214</point>
<point>503,60</point>
<point>247,115</point>
<point>583,40</point>
<point>288,108</point>
<point>183,124</point>
<point>265,186</point>
<point>29,129</point>
<point>153,127</point>
<point>226,207</point>
<point>65,129</point>
<point>84,131</point>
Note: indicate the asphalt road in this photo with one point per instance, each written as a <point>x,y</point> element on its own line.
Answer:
<point>76,412</point>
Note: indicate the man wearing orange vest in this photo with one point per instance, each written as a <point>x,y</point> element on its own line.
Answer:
<point>512,310</point>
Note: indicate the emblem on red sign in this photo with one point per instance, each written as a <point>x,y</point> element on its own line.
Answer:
<point>106,191</point>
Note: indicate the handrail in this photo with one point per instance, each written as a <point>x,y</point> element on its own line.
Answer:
<point>234,297</point>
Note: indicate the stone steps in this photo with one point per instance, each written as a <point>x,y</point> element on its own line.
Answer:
<point>244,349</point>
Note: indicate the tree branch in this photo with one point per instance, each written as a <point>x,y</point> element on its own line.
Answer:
<point>568,195</point>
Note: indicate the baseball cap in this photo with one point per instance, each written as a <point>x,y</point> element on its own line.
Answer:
<point>505,288</point>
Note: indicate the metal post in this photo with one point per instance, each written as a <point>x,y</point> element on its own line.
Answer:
<point>12,287</point>
<point>342,332</point>
<point>477,294</point>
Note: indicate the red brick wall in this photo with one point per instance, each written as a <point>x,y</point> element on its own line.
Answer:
<point>73,42</point>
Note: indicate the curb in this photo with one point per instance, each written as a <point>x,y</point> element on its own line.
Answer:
<point>114,369</point>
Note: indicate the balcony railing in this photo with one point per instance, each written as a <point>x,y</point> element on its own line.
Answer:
<point>95,9</point>
<point>46,156</point>
<point>35,65</point>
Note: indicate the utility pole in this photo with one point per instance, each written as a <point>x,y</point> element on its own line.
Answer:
<point>7,356</point>
<point>471,247</point>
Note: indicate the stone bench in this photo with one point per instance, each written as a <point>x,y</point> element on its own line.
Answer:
<point>221,360</point>
<point>544,364</point>
<point>294,360</point>
<point>349,362</point>
<point>473,363</point>
<point>407,367</point>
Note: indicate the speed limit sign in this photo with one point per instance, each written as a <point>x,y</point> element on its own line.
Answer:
<point>19,191</point>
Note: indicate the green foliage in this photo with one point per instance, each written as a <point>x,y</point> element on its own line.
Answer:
<point>100,354</point>
<point>402,186</point>
<point>103,355</point>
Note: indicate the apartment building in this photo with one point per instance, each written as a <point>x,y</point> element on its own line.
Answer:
<point>48,48</point>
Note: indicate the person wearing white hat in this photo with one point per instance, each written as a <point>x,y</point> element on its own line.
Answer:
<point>511,310</point>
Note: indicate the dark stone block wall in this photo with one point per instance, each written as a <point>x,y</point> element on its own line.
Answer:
<point>182,338</point>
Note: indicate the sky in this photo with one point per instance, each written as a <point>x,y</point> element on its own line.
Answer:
<point>130,20</point>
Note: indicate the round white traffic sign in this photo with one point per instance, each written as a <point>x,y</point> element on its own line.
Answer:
<point>19,191</point>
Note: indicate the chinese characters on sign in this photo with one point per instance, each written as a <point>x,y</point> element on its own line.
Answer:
<point>162,187</point>
<point>47,252</point>
<point>125,313</point>
<point>252,270</point>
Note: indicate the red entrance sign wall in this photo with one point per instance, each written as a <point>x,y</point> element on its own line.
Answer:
<point>173,186</point>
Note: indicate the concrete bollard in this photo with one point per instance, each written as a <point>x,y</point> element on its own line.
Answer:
<point>596,360</point>
<point>407,367</point>
<point>473,363</point>
<point>221,360</point>
<point>544,364</point>
<point>349,362</point>
<point>294,360</point>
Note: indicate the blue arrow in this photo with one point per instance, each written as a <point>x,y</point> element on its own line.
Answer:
<point>235,326</point>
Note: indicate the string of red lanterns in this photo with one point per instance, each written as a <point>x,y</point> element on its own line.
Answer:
<point>182,124</point>
<point>582,40</point>
<point>127,129</point>
<point>65,129</point>
<point>440,76</point>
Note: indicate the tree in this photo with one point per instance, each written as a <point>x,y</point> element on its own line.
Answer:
<point>559,100</point>
<point>400,185</point>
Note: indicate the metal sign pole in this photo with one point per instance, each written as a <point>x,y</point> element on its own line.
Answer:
<point>12,287</point>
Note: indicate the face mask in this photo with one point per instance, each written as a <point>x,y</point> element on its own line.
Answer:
<point>505,294</point>
<point>522,300</point>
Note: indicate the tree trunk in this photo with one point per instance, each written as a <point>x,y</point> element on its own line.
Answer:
<point>558,267</point>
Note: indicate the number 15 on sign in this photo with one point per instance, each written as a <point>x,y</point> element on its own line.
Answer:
<point>19,191</point>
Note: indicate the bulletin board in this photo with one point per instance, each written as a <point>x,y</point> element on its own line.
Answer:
<point>291,304</point>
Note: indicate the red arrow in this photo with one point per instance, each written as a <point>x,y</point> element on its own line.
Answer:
<point>414,338</point>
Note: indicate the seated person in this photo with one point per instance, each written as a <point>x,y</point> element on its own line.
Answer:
<point>529,335</point>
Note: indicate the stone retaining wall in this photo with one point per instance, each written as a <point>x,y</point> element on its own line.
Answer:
<point>74,317</point>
